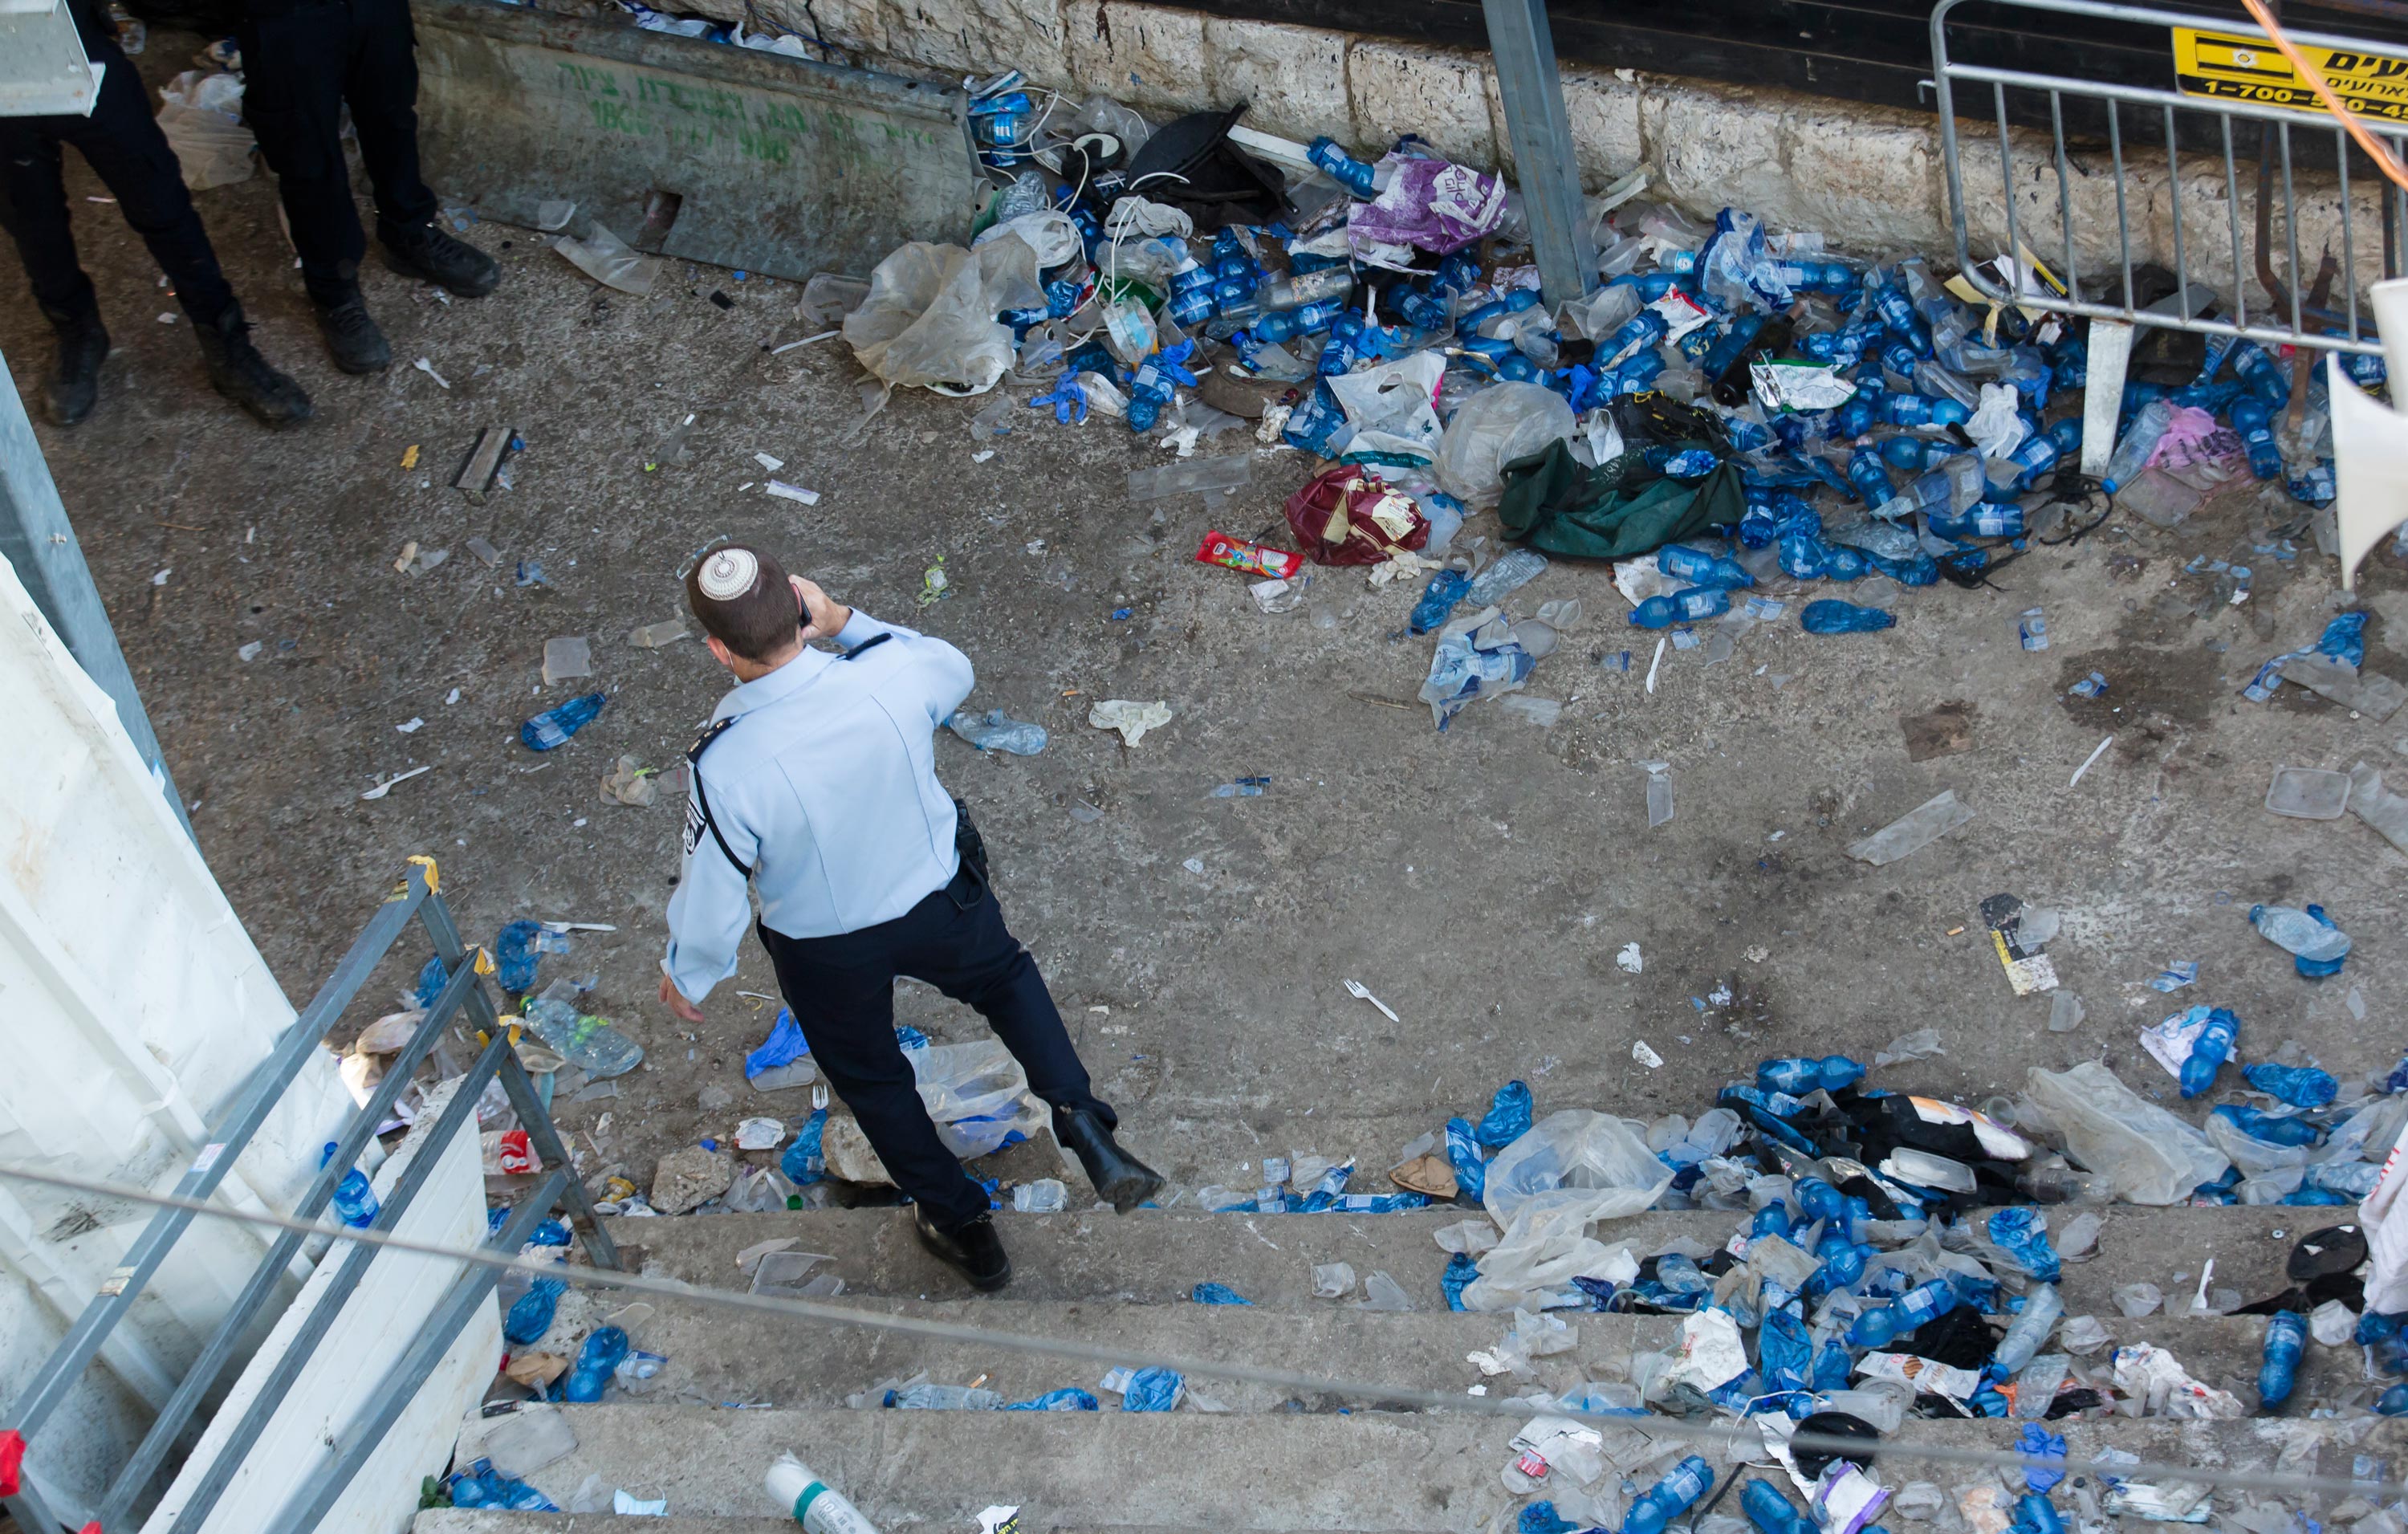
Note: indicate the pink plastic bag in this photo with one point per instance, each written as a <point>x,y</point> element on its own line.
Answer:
<point>1431,204</point>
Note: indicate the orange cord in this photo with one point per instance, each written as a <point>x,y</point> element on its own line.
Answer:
<point>2325,93</point>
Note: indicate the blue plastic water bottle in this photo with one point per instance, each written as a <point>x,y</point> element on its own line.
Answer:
<point>605,1350</point>
<point>1833,615</point>
<point>2273,1129</point>
<point>1700,569</point>
<point>355,1200</point>
<point>2267,379</point>
<point>552,728</point>
<point>2393,1402</point>
<point>2036,1514</point>
<point>2287,1336</point>
<point>2209,1052</point>
<point>2042,452</point>
<point>1801,1076</point>
<point>1304,319</point>
<point>1771,1220</point>
<point>1771,1512</point>
<point>1343,168</point>
<point>2301,1087</point>
<point>1686,605</point>
<point>1924,1303</point>
<point>1660,1503</point>
<point>1982,519</point>
<point>1818,1199</point>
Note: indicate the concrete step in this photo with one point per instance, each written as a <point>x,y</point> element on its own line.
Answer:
<point>718,1356</point>
<point>1364,1471</point>
<point>486,1521</point>
<point>1157,1256</point>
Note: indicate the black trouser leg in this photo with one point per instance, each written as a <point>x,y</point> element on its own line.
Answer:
<point>973,958</point>
<point>841,990</point>
<point>295,66</point>
<point>126,150</point>
<point>33,208</point>
<point>382,85</point>
<point>124,147</point>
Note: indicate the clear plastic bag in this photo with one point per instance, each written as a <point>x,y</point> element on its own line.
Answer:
<point>929,320</point>
<point>1494,426</point>
<point>610,261</point>
<point>2151,1157</point>
<point>976,1094</point>
<point>1576,1159</point>
<point>1390,404</point>
<point>200,111</point>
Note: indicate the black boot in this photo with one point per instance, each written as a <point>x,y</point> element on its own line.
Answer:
<point>425,250</point>
<point>238,371</point>
<point>358,346</point>
<point>975,1251</point>
<point>1120,1179</point>
<point>74,385</point>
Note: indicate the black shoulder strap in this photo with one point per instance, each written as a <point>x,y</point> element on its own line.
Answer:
<point>858,651</point>
<point>697,805</point>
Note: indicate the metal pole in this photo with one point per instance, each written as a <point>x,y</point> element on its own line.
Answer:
<point>1525,50</point>
<point>40,544</point>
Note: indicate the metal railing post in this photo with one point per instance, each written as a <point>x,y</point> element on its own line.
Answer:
<point>1533,92</point>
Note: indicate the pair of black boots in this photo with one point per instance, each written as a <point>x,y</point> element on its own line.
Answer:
<point>235,365</point>
<point>976,1252</point>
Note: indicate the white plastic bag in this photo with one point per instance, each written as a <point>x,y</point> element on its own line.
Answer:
<point>929,320</point>
<point>1391,406</point>
<point>978,1093</point>
<point>1576,1159</point>
<point>201,113</point>
<point>2386,1234</point>
<point>2151,1157</point>
<point>1494,426</point>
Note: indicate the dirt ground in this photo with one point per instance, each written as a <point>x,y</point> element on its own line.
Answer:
<point>1481,882</point>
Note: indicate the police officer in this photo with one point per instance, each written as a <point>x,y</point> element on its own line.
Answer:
<point>816,781</point>
<point>303,60</point>
<point>127,151</point>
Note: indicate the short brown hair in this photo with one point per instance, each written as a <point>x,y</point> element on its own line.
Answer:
<point>743,598</point>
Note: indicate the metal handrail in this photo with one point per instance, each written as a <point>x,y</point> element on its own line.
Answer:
<point>418,898</point>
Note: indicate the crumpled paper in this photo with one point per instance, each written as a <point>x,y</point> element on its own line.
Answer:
<point>1133,720</point>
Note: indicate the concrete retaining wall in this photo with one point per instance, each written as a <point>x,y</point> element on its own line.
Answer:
<point>1871,180</point>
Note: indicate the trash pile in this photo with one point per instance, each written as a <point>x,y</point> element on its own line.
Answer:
<point>1749,407</point>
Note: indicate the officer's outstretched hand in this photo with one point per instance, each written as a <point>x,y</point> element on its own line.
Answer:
<point>826,618</point>
<point>687,1010</point>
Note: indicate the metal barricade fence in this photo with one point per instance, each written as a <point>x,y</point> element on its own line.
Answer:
<point>2306,187</point>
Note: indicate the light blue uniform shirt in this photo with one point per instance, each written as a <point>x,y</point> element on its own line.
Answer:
<point>825,787</point>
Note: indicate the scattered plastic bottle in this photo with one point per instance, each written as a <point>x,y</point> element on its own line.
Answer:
<point>1817,1198</point>
<point>550,729</point>
<point>2317,947</point>
<point>1771,1512</point>
<point>603,1351</point>
<point>2042,1308</point>
<point>1295,292</point>
<point>2350,1180</point>
<point>996,730</point>
<point>1799,1076</point>
<point>1700,569</point>
<point>2287,1336</point>
<point>794,1486</point>
<point>355,1200</point>
<point>1771,1220</point>
<point>2139,442</point>
<point>2209,1052</point>
<point>2393,1402</point>
<point>1304,319</point>
<point>132,35</point>
<point>2036,1514</point>
<point>1667,1499</point>
<point>1925,1303</point>
<point>1509,574</point>
<point>2042,452</point>
<point>2254,420</point>
<point>1439,598</point>
<point>1982,519</point>
<point>591,1043</point>
<point>2266,378</point>
<point>1686,605</point>
<point>1832,616</point>
<point>1365,181</point>
<point>2273,1129</point>
<point>2301,1087</point>
<point>481,1485</point>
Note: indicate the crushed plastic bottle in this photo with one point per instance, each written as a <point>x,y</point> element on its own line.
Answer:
<point>1924,1303</point>
<point>605,1349</point>
<point>481,1485</point>
<point>2029,1331</point>
<point>2301,1087</point>
<point>1514,570</point>
<point>2317,947</point>
<point>2139,442</point>
<point>996,730</point>
<point>1801,1076</point>
<point>1832,616</point>
<point>1771,1512</point>
<point>1699,568</point>
<point>1660,1503</point>
<point>550,729</point>
<point>590,1044</point>
<point>1439,598</point>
